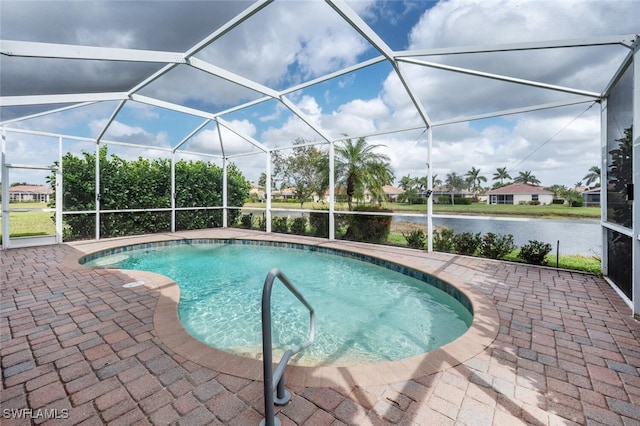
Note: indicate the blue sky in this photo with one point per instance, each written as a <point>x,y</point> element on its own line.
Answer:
<point>291,42</point>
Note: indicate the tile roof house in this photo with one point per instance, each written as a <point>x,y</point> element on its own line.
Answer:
<point>591,197</point>
<point>519,193</point>
<point>392,193</point>
<point>443,190</point>
<point>30,193</point>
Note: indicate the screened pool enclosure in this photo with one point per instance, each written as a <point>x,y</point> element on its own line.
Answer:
<point>226,83</point>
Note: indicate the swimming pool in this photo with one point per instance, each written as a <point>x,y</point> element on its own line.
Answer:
<point>366,313</point>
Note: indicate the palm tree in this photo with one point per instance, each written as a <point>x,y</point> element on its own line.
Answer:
<point>593,176</point>
<point>454,182</point>
<point>359,168</point>
<point>556,189</point>
<point>501,174</point>
<point>422,183</point>
<point>435,181</point>
<point>526,178</point>
<point>475,179</point>
<point>407,183</point>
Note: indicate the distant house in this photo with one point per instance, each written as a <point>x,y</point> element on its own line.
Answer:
<point>392,193</point>
<point>591,197</point>
<point>519,193</point>
<point>442,190</point>
<point>30,193</point>
<point>285,194</point>
<point>257,191</point>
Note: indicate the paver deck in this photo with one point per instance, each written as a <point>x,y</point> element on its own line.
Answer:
<point>76,345</point>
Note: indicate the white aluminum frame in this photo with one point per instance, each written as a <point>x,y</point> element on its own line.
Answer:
<point>397,60</point>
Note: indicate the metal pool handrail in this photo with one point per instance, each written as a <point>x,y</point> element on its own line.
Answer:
<point>276,380</point>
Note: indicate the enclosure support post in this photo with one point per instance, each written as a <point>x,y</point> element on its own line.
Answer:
<point>604,176</point>
<point>97,194</point>
<point>173,191</point>
<point>635,251</point>
<point>268,192</point>
<point>5,193</point>
<point>429,191</point>
<point>225,206</point>
<point>59,194</point>
<point>332,191</point>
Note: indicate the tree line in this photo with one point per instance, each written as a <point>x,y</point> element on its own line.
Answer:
<point>416,187</point>
<point>359,170</point>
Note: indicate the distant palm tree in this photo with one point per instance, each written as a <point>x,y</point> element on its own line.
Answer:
<point>501,174</point>
<point>526,178</point>
<point>593,176</point>
<point>556,189</point>
<point>407,183</point>
<point>454,183</point>
<point>435,181</point>
<point>359,168</point>
<point>422,183</point>
<point>475,179</point>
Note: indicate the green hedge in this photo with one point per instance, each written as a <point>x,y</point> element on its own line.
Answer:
<point>369,228</point>
<point>144,184</point>
<point>463,201</point>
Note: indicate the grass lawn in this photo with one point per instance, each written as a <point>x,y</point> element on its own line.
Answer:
<point>25,224</point>
<point>574,262</point>
<point>553,211</point>
<point>28,224</point>
<point>550,211</point>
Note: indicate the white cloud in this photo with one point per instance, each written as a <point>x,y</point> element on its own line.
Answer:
<point>568,155</point>
<point>297,41</point>
<point>290,42</point>
<point>121,132</point>
<point>208,140</point>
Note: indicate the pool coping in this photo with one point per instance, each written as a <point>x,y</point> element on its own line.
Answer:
<point>482,332</point>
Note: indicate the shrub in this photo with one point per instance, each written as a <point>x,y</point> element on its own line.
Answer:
<point>246,221</point>
<point>369,228</point>
<point>144,185</point>
<point>419,200</point>
<point>533,203</point>
<point>443,241</point>
<point>495,246</point>
<point>416,239</point>
<point>467,243</point>
<point>299,225</point>
<point>444,199</point>
<point>535,252</point>
<point>280,224</point>
<point>341,222</point>
<point>463,201</point>
<point>262,223</point>
<point>254,198</point>
<point>319,223</point>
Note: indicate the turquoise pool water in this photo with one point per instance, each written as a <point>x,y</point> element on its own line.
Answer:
<point>365,313</point>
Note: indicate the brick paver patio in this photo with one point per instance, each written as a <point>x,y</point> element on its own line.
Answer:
<point>78,346</point>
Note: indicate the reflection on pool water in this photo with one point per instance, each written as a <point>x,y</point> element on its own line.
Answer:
<point>365,313</point>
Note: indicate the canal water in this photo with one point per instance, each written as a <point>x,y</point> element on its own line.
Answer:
<point>582,237</point>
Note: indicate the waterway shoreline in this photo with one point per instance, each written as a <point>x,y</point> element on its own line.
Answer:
<point>573,237</point>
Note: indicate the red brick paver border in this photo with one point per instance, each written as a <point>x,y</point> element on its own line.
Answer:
<point>78,348</point>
